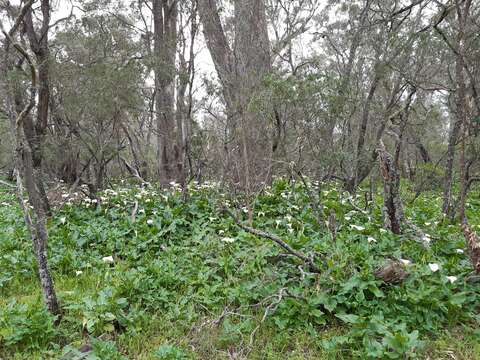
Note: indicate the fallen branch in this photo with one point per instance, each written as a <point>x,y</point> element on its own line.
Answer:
<point>275,239</point>
<point>7,184</point>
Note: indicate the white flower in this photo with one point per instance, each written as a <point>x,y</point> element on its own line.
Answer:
<point>348,218</point>
<point>141,211</point>
<point>228,240</point>
<point>383,230</point>
<point>107,259</point>
<point>278,222</point>
<point>212,218</point>
<point>428,224</point>
<point>459,251</point>
<point>357,227</point>
<point>433,267</point>
<point>452,279</point>
<point>288,217</point>
<point>221,232</point>
<point>150,222</point>
<point>371,239</point>
<point>261,213</point>
<point>63,220</point>
<point>148,200</point>
<point>78,272</point>
<point>405,261</point>
<point>426,238</point>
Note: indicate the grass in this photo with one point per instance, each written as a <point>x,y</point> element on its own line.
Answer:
<point>186,283</point>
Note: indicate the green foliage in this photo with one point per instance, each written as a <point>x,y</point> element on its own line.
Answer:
<point>189,265</point>
<point>428,177</point>
<point>25,326</point>
<point>170,352</point>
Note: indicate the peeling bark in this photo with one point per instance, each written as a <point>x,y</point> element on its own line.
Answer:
<point>392,204</point>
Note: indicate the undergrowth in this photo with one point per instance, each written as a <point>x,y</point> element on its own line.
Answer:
<point>186,283</point>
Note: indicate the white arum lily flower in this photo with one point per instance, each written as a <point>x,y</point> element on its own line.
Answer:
<point>348,218</point>
<point>228,240</point>
<point>261,213</point>
<point>383,230</point>
<point>371,239</point>
<point>107,259</point>
<point>78,272</point>
<point>150,222</point>
<point>357,227</point>
<point>63,220</point>
<point>221,232</point>
<point>434,267</point>
<point>405,262</point>
<point>452,279</point>
<point>427,238</point>
<point>459,251</point>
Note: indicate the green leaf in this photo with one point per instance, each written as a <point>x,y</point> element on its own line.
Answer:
<point>349,318</point>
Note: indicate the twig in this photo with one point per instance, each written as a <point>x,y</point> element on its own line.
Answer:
<point>7,184</point>
<point>134,212</point>
<point>272,307</point>
<point>275,239</point>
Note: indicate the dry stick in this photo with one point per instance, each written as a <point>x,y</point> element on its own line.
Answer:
<point>134,212</point>
<point>7,184</point>
<point>275,239</point>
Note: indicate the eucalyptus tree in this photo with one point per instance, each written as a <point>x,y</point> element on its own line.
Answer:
<point>97,97</point>
<point>242,63</point>
<point>28,134</point>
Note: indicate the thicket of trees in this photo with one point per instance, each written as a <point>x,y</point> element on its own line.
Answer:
<point>95,90</point>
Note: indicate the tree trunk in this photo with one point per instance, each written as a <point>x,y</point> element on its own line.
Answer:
<point>165,41</point>
<point>241,72</point>
<point>392,203</point>
<point>39,43</point>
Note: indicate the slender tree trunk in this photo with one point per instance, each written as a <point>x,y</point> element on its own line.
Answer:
<point>36,219</point>
<point>392,203</point>
<point>461,102</point>
<point>39,43</point>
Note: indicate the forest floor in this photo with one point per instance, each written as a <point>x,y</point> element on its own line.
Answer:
<point>140,274</point>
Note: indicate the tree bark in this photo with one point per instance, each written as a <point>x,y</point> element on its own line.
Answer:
<point>241,71</point>
<point>392,203</point>
<point>165,42</point>
<point>36,224</point>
